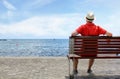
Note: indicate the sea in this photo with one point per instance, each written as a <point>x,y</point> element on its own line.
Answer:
<point>33,47</point>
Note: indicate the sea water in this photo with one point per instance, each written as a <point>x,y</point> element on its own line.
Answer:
<point>33,47</point>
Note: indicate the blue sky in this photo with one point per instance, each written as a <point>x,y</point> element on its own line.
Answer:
<point>37,19</point>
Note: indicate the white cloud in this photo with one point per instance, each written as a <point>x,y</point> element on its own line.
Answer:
<point>42,2</point>
<point>42,26</point>
<point>112,23</point>
<point>8,5</point>
<point>54,26</point>
<point>36,3</point>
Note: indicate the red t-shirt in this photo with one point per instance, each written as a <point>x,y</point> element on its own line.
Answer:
<point>90,29</point>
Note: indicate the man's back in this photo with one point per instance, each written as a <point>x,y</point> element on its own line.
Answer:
<point>90,29</point>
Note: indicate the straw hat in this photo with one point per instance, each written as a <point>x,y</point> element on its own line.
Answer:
<point>90,16</point>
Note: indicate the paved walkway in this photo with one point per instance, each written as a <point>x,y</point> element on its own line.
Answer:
<point>55,68</point>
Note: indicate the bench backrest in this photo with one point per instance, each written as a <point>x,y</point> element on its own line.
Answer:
<point>89,45</point>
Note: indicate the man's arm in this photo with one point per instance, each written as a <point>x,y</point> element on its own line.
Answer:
<point>74,33</point>
<point>108,34</point>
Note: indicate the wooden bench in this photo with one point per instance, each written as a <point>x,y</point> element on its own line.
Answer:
<point>103,47</point>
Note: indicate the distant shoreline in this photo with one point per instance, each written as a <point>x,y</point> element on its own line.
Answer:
<point>3,39</point>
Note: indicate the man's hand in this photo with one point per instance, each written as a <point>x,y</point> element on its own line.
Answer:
<point>108,34</point>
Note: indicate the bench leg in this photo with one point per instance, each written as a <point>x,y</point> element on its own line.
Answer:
<point>71,76</point>
<point>69,67</point>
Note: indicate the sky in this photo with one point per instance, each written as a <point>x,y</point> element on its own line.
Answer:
<point>52,19</point>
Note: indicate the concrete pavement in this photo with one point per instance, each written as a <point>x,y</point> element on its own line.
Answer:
<point>55,68</point>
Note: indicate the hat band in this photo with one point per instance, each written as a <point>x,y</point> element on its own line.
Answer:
<point>89,19</point>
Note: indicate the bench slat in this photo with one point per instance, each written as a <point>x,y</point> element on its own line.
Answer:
<point>74,56</point>
<point>89,45</point>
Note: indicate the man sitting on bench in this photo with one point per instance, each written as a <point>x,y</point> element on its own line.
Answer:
<point>88,29</point>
